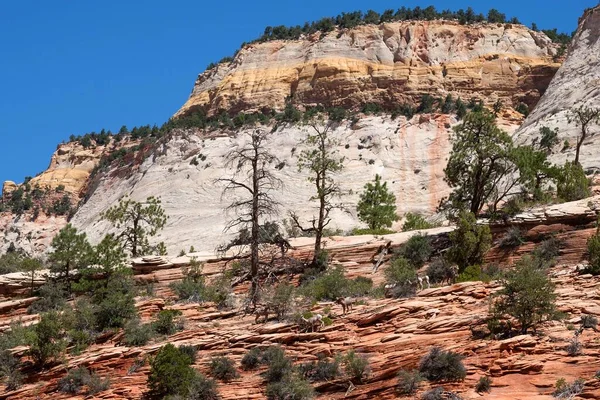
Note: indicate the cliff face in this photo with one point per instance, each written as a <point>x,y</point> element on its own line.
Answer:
<point>388,64</point>
<point>576,83</point>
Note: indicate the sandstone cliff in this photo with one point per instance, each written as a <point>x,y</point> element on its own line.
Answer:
<point>386,64</point>
<point>576,83</point>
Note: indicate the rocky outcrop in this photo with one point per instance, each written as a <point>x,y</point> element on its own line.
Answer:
<point>409,155</point>
<point>8,187</point>
<point>576,83</point>
<point>389,64</point>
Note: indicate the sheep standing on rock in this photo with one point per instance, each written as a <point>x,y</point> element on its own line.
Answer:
<point>346,303</point>
<point>316,321</point>
<point>421,279</point>
<point>450,275</point>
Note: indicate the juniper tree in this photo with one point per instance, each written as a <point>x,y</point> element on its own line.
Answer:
<point>322,161</point>
<point>137,222</point>
<point>71,250</point>
<point>377,205</point>
<point>252,176</point>
<point>584,117</point>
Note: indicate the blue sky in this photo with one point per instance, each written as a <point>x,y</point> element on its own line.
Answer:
<point>71,67</point>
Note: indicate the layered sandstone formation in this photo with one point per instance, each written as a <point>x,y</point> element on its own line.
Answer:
<point>577,83</point>
<point>392,334</point>
<point>389,64</point>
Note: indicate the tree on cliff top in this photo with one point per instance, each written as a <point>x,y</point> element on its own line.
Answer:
<point>322,161</point>
<point>252,176</point>
<point>137,223</point>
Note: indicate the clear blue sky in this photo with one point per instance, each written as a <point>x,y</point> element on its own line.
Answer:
<point>71,67</point>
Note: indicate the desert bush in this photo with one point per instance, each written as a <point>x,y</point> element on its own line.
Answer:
<point>332,284</point>
<point>512,238</point>
<point>74,380</point>
<point>408,382</point>
<point>251,359</point>
<point>593,247</point>
<point>572,183</point>
<point>484,385</point>
<point>170,373</point>
<point>167,322</point>
<point>470,241</point>
<point>439,393</point>
<point>190,351</point>
<point>356,366</point>
<point>403,275</point>
<point>280,299</point>
<point>441,365</point>
<point>51,297</point>
<point>574,347</point>
<point>223,368</point>
<point>417,250</point>
<point>566,390</point>
<point>527,296</point>
<point>279,365</point>
<point>96,384</point>
<point>10,370</point>
<point>114,304</point>
<point>46,341</point>
<point>548,249</point>
<point>473,273</point>
<point>202,388</point>
<point>291,388</point>
<point>136,333</point>
<point>219,292</point>
<point>193,286</point>
<point>414,222</point>
<point>136,365</point>
<point>367,231</point>
<point>321,370</point>
<point>438,270</point>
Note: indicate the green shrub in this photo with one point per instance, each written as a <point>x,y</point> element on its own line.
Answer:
<point>46,341</point>
<point>512,238</point>
<point>219,292</point>
<point>51,297</point>
<point>279,365</point>
<point>593,247</point>
<point>473,273</point>
<point>408,382</point>
<point>17,335</point>
<point>251,359</point>
<point>136,333</point>
<point>322,370</point>
<point>223,368</point>
<point>202,388</point>
<point>96,384</point>
<point>332,284</point>
<point>280,299</point>
<point>565,390</point>
<point>10,370</point>
<point>484,384</point>
<point>74,380</point>
<point>438,270</point>
<point>548,250</point>
<point>527,295</point>
<point>415,222</point>
<point>193,286</point>
<point>574,347</point>
<point>290,388</point>
<point>167,322</point>
<point>115,304</point>
<point>356,366</point>
<point>190,351</point>
<point>572,183</point>
<point>417,250</point>
<point>402,274</point>
<point>170,373</point>
<point>439,393</point>
<point>367,231</point>
<point>470,241</point>
<point>441,365</point>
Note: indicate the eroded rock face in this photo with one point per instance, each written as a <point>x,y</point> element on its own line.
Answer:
<point>388,64</point>
<point>409,155</point>
<point>8,187</point>
<point>576,83</point>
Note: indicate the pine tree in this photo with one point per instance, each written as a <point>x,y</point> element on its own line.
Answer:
<point>71,251</point>
<point>377,205</point>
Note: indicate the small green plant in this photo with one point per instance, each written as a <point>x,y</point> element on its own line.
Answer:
<point>136,333</point>
<point>96,384</point>
<point>470,241</point>
<point>441,365</point>
<point>78,377</point>
<point>170,373</point>
<point>566,390</point>
<point>593,247</point>
<point>251,359</point>
<point>292,387</point>
<point>408,382</point>
<point>322,370</point>
<point>484,385</point>
<point>513,238</point>
<point>332,284</point>
<point>223,368</point>
<point>279,365</point>
<point>356,366</point>
<point>10,370</point>
<point>401,274</point>
<point>572,183</point>
<point>574,347</point>
<point>202,388</point>
<point>167,322</point>
<point>190,351</point>
<point>417,250</point>
<point>414,222</point>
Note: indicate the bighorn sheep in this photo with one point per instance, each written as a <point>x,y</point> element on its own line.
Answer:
<point>346,303</point>
<point>450,276</point>
<point>262,310</point>
<point>421,279</point>
<point>382,251</point>
<point>316,321</point>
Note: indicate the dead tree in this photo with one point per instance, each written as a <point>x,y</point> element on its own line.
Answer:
<point>322,161</point>
<point>252,176</point>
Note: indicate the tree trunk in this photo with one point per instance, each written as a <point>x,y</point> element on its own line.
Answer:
<point>578,148</point>
<point>255,230</point>
<point>134,243</point>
